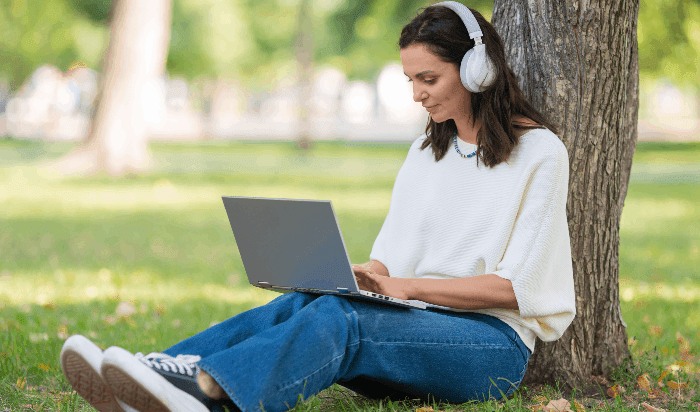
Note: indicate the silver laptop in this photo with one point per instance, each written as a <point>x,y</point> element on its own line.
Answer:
<point>296,245</point>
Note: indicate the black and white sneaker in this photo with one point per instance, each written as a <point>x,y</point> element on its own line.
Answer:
<point>157,382</point>
<point>81,361</point>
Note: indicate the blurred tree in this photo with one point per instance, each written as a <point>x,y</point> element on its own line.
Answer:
<point>33,33</point>
<point>587,55</point>
<point>135,60</point>
<point>304,50</point>
<point>669,42</point>
<point>254,39</point>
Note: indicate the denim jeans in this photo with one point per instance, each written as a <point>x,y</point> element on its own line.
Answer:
<point>299,344</point>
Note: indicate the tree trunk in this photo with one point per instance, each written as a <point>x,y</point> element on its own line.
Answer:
<point>118,139</point>
<point>303,49</point>
<point>577,62</point>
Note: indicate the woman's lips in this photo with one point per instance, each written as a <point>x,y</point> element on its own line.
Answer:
<point>431,108</point>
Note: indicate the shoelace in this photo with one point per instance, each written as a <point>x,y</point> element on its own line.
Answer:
<point>182,364</point>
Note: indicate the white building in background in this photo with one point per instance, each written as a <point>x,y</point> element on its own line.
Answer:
<point>338,110</point>
<point>272,116</point>
<point>396,97</point>
<point>327,86</point>
<point>326,91</point>
<point>227,106</point>
<point>57,106</point>
<point>668,113</point>
<point>278,113</point>
<point>88,81</point>
<point>358,103</point>
<point>48,105</point>
<point>171,115</point>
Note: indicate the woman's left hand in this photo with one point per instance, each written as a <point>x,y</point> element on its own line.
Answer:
<point>372,282</point>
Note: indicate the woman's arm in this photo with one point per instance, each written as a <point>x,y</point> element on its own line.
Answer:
<point>478,292</point>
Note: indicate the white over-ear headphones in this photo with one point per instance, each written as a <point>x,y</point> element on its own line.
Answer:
<point>477,71</point>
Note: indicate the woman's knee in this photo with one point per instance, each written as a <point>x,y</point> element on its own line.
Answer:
<point>335,303</point>
<point>295,298</point>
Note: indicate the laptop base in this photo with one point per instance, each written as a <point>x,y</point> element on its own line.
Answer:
<point>362,294</point>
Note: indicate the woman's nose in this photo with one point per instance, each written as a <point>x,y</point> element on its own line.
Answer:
<point>418,94</point>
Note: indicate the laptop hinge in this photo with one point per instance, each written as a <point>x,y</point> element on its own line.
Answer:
<point>264,285</point>
<point>343,290</point>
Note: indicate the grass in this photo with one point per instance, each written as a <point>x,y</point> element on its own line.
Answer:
<point>145,262</point>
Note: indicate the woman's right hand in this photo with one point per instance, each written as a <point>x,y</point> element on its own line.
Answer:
<point>374,277</point>
<point>373,266</point>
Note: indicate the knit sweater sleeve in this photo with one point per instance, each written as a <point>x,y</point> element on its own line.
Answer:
<point>537,258</point>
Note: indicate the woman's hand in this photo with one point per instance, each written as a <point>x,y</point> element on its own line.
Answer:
<point>373,266</point>
<point>368,279</point>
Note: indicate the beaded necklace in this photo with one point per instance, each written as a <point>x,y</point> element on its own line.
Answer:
<point>454,140</point>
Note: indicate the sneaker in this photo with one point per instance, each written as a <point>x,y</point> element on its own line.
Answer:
<point>80,361</point>
<point>182,372</point>
<point>158,382</point>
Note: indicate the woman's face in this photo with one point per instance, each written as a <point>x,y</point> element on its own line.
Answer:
<point>436,83</point>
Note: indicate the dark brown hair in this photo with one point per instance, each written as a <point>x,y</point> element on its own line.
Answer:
<point>443,32</point>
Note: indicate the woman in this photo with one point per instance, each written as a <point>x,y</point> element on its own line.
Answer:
<point>476,222</point>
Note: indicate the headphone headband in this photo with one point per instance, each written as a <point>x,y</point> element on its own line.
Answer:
<point>466,15</point>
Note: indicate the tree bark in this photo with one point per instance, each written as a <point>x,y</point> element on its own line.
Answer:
<point>118,138</point>
<point>577,63</point>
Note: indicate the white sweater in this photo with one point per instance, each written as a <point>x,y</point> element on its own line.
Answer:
<point>452,219</point>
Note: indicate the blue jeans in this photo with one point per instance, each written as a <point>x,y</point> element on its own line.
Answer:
<point>300,344</point>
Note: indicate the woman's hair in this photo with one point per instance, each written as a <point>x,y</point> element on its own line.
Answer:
<point>443,32</point>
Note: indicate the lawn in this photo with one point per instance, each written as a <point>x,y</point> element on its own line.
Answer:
<point>144,262</point>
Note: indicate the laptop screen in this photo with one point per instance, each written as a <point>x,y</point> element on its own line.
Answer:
<point>291,243</point>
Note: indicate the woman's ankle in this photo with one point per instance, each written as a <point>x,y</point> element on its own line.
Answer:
<point>209,386</point>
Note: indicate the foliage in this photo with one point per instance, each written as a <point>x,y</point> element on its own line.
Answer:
<point>97,11</point>
<point>669,41</point>
<point>253,39</point>
<point>38,32</point>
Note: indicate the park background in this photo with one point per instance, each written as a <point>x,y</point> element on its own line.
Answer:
<point>146,260</point>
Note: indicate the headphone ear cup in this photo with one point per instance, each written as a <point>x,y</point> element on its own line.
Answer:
<point>477,72</point>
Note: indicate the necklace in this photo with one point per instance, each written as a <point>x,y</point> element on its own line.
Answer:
<point>454,140</point>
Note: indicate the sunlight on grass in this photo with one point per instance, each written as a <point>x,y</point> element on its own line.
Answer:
<point>84,286</point>
<point>631,290</point>
<point>22,194</point>
<point>667,153</point>
<point>640,215</point>
<point>659,229</point>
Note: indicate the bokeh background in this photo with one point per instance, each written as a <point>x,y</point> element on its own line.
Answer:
<point>233,71</point>
<point>148,259</point>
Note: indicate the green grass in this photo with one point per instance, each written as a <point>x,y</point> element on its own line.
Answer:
<point>72,250</point>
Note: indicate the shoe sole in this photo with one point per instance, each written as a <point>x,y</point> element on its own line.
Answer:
<point>141,388</point>
<point>80,362</point>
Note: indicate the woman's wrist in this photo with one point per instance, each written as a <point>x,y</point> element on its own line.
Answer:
<point>478,292</point>
<point>407,288</point>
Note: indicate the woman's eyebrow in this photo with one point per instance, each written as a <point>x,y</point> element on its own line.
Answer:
<point>421,73</point>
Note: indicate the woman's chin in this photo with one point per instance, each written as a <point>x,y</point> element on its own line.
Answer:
<point>440,117</point>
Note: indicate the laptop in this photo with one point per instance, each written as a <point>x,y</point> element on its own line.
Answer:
<point>291,245</point>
